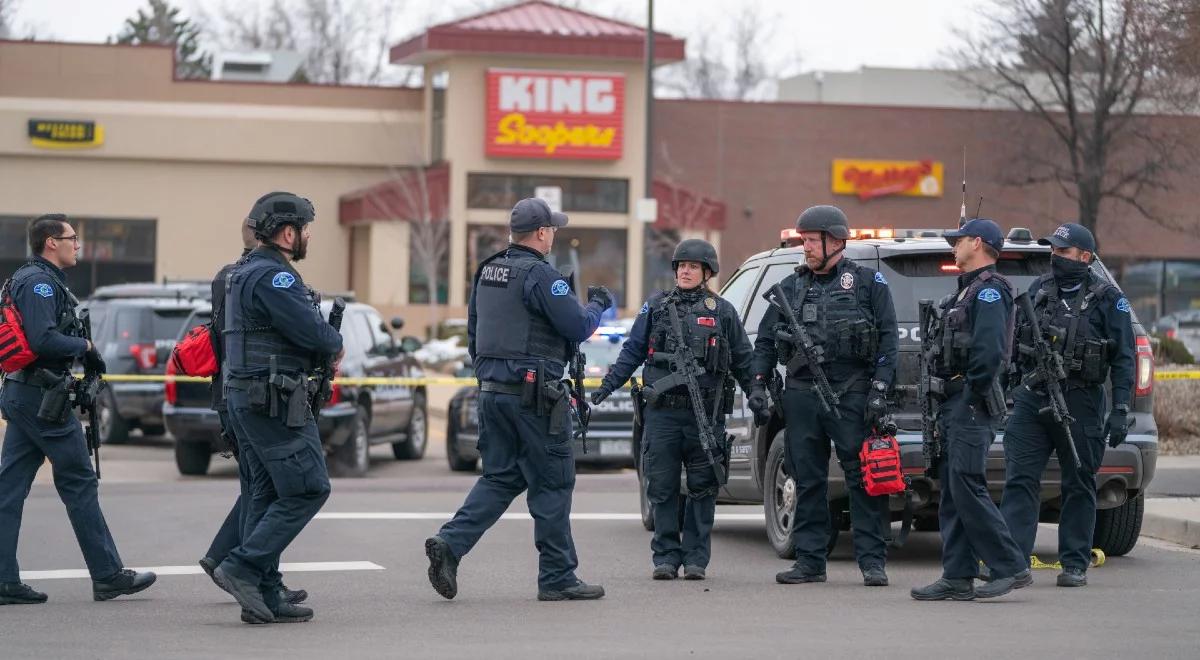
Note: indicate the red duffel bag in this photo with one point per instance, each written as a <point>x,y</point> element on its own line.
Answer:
<point>15,353</point>
<point>196,354</point>
<point>880,459</point>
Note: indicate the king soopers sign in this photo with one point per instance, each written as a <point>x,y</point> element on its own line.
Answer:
<point>554,114</point>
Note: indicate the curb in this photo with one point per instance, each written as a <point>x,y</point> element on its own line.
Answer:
<point>1177,529</point>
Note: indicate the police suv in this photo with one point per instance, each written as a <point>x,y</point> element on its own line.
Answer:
<point>919,265</point>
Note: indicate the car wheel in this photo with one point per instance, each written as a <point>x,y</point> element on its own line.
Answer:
<point>353,457</point>
<point>111,427</point>
<point>192,458</point>
<point>647,512</point>
<point>779,501</point>
<point>1117,529</point>
<point>456,461</point>
<point>416,435</point>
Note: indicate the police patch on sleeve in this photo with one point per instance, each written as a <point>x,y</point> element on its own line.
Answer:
<point>559,288</point>
<point>879,278</point>
<point>989,295</point>
<point>1123,305</point>
<point>283,280</point>
<point>645,308</point>
<point>44,290</point>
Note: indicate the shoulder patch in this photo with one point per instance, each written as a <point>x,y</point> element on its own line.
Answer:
<point>645,308</point>
<point>283,280</point>
<point>879,278</point>
<point>847,281</point>
<point>1123,305</point>
<point>559,288</point>
<point>989,295</point>
<point>44,290</point>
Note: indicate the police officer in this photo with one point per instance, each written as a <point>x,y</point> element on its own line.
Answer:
<point>39,291</point>
<point>715,339</point>
<point>848,313</point>
<point>523,322</point>
<point>1087,321</point>
<point>274,333</point>
<point>229,535</point>
<point>975,328</point>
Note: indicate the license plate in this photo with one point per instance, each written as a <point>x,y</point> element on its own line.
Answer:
<point>616,448</point>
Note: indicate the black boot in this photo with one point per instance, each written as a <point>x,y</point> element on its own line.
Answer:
<point>292,596</point>
<point>578,591</point>
<point>246,592</point>
<point>443,567</point>
<point>123,583</point>
<point>1072,577</point>
<point>284,613</point>
<point>19,593</point>
<point>875,576</point>
<point>1001,586</point>
<point>946,589</point>
<point>799,575</point>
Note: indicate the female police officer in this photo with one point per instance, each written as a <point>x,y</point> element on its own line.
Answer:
<point>713,337</point>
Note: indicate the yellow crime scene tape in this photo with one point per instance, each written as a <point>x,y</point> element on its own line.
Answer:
<point>1098,559</point>
<point>1177,375</point>
<point>367,381</point>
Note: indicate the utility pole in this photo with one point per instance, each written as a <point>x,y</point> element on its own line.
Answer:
<point>649,182</point>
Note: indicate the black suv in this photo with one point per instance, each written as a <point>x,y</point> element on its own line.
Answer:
<point>135,326</point>
<point>919,266</point>
<point>355,418</point>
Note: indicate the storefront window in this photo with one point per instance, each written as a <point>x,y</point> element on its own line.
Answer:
<point>437,137</point>
<point>591,195</point>
<point>428,262</point>
<point>113,251</point>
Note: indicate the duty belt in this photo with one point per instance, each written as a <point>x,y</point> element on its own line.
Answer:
<point>683,401</point>
<point>35,377</point>
<point>857,385</point>
<point>501,388</point>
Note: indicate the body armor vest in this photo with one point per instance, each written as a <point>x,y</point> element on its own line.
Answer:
<point>701,326</point>
<point>1073,325</point>
<point>250,339</point>
<point>510,330</point>
<point>65,305</point>
<point>837,315</point>
<point>952,335</point>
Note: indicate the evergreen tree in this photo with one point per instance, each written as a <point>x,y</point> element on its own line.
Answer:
<point>163,25</point>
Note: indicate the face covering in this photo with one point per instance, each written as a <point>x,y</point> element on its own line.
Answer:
<point>1067,272</point>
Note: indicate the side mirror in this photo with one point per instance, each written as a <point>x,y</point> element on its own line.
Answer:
<point>409,344</point>
<point>397,323</point>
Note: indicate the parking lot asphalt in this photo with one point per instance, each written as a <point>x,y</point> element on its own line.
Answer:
<point>362,560</point>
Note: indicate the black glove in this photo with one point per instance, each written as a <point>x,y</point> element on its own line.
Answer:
<point>93,362</point>
<point>758,403</point>
<point>599,294</point>
<point>1117,427</point>
<point>599,395</point>
<point>877,407</point>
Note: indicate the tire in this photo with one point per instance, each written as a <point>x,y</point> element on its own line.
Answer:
<point>779,501</point>
<point>456,461</point>
<point>647,512</point>
<point>1117,529</point>
<point>192,458</point>
<point>112,428</point>
<point>417,433</point>
<point>353,457</point>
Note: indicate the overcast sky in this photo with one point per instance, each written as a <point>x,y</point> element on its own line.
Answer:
<point>826,34</point>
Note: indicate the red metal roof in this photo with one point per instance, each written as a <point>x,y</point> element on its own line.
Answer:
<point>537,27</point>
<point>399,199</point>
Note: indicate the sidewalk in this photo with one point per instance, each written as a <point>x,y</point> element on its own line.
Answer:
<point>1174,519</point>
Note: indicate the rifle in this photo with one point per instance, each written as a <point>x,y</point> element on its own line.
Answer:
<point>685,371</point>
<point>323,374</point>
<point>807,353</point>
<point>927,388</point>
<point>1049,371</point>
<point>86,392</point>
<point>576,374</point>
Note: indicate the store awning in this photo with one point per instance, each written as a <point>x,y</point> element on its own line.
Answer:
<point>414,194</point>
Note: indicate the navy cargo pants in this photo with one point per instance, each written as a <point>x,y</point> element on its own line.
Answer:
<point>971,524</point>
<point>808,435</point>
<point>28,441</point>
<point>288,485</point>
<point>519,453</point>
<point>1029,438</point>
<point>229,536</point>
<point>670,440</point>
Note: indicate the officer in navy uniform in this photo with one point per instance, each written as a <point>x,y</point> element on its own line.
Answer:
<point>975,326</point>
<point>1087,320</point>
<point>229,535</point>
<point>39,291</point>
<point>716,340</point>
<point>274,334</point>
<point>848,312</point>
<point>523,323</point>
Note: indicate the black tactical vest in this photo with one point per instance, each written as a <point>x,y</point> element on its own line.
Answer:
<point>1072,324</point>
<point>250,339</point>
<point>837,315</point>
<point>952,335</point>
<point>65,304</point>
<point>507,329</point>
<point>700,323</point>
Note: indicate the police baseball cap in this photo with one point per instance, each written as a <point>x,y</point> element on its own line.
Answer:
<point>1070,234</point>
<point>533,213</point>
<point>978,228</point>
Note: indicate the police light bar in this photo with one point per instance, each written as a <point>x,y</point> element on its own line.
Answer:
<point>789,238</point>
<point>875,232</point>
<point>950,268</point>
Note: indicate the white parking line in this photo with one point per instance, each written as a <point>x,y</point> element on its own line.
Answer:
<point>425,515</point>
<point>298,567</point>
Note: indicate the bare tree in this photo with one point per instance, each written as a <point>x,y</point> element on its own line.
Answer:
<point>1087,73</point>
<point>735,62</point>
<point>683,210</point>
